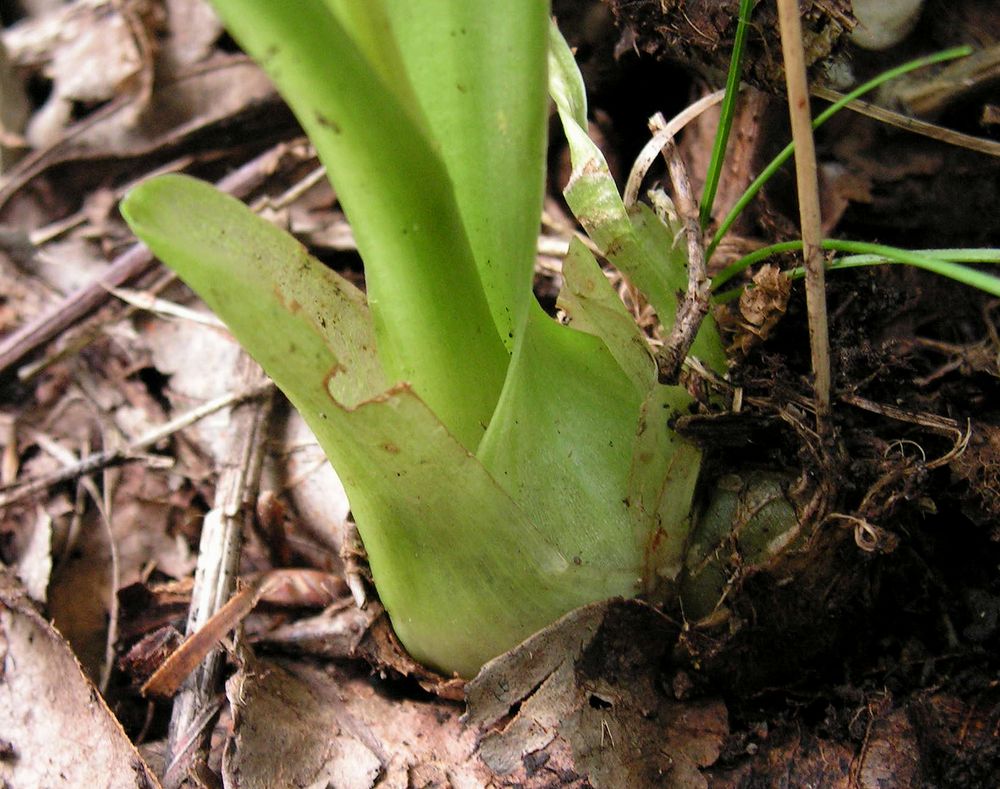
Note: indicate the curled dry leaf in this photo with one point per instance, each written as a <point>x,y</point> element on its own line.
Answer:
<point>223,89</point>
<point>194,27</point>
<point>13,110</point>
<point>761,307</point>
<point>34,565</point>
<point>57,730</point>
<point>298,468</point>
<point>382,649</point>
<point>336,634</point>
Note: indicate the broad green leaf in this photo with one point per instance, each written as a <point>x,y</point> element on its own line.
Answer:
<point>661,486</point>
<point>367,23</point>
<point>449,549</point>
<point>255,277</point>
<point>560,444</point>
<point>570,495</point>
<point>664,467</point>
<point>432,321</point>
<point>478,68</point>
<point>464,571</point>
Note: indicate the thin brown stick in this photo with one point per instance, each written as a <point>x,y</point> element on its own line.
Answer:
<point>124,269</point>
<point>694,305</point>
<point>128,453</point>
<point>219,561</point>
<point>914,125</point>
<point>807,184</point>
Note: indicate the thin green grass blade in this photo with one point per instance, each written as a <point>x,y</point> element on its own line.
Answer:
<point>463,570</point>
<point>756,256</point>
<point>433,323</point>
<point>944,262</point>
<point>944,268</point>
<point>478,68</point>
<point>726,114</point>
<point>829,112</point>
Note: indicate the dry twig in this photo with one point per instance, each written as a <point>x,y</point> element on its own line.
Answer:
<point>218,567</point>
<point>130,452</point>
<point>809,212</point>
<point>694,306</point>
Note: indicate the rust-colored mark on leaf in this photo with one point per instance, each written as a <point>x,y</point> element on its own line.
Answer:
<point>327,123</point>
<point>334,371</point>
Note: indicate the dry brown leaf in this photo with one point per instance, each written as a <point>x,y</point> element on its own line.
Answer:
<point>13,110</point>
<point>335,634</point>
<point>23,297</point>
<point>67,264</point>
<point>585,696</point>
<point>194,27</point>
<point>223,89</point>
<point>381,648</point>
<point>299,468</point>
<point>34,564</point>
<point>295,725</point>
<point>57,730</point>
<point>761,307</point>
<point>200,95</point>
<point>88,49</point>
<point>201,364</point>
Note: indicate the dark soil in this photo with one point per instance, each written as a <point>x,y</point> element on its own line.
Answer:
<point>877,665</point>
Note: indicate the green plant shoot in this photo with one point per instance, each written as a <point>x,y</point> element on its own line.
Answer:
<point>503,468</point>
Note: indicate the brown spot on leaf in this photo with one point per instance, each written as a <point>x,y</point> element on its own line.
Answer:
<point>327,123</point>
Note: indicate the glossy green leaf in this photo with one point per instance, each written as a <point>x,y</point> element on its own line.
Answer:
<point>478,69</point>
<point>494,491</point>
<point>561,442</point>
<point>448,547</point>
<point>432,320</point>
<point>306,325</point>
<point>661,487</point>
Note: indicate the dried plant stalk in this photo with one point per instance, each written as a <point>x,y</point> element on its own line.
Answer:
<point>807,185</point>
